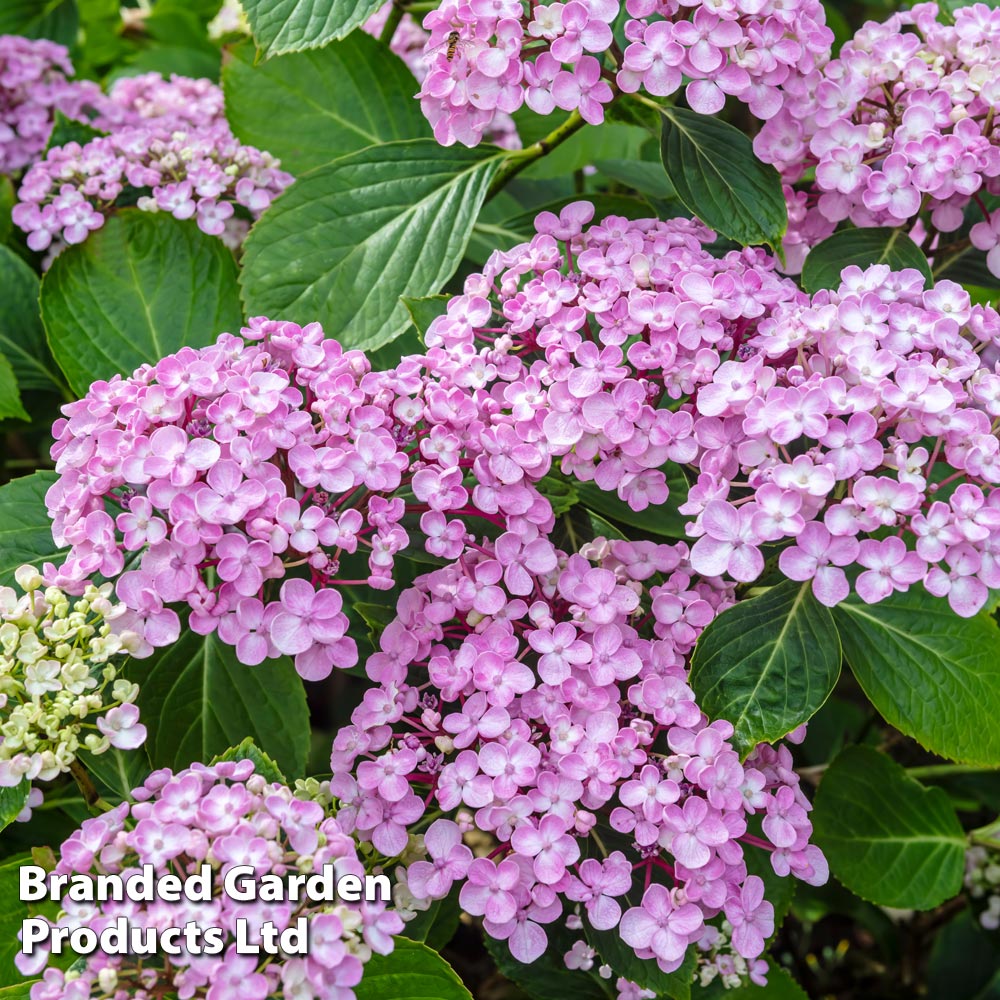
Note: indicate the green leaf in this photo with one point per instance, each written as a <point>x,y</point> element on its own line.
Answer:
<point>931,674</point>
<point>388,355</point>
<point>424,310</point>
<point>139,288</point>
<point>767,664</point>
<point>25,529</point>
<point>780,986</point>
<point>663,520</point>
<point>7,202</point>
<point>644,971</point>
<point>12,913</point>
<point>718,178</point>
<point>862,247</point>
<point>22,338</point>
<point>964,957</point>
<point>54,19</point>
<point>887,838</point>
<point>12,801</point>
<point>611,140</point>
<point>547,978</point>
<point>560,491</point>
<point>436,925</point>
<point>347,240</point>
<point>283,105</point>
<point>117,772</point>
<point>263,765</point>
<point>66,130</point>
<point>19,991</point>
<point>411,972</point>
<point>168,59</point>
<point>199,700</point>
<point>647,178</point>
<point>375,616</point>
<point>10,396</point>
<point>294,25</point>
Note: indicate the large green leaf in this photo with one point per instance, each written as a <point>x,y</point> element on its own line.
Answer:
<point>117,772</point>
<point>12,801</point>
<point>767,664</point>
<point>932,675</point>
<point>411,972</point>
<point>263,765</point>
<point>347,240</point>
<point>600,142</point>
<point>12,913</point>
<point>718,178</point>
<point>198,700</point>
<point>648,178</point>
<point>10,396</point>
<point>964,958</point>
<point>284,105</point>
<point>887,838</point>
<point>54,19</point>
<point>19,991</point>
<point>22,338</point>
<point>25,528</point>
<point>294,25</point>
<point>861,247</point>
<point>138,288</point>
<point>436,925</point>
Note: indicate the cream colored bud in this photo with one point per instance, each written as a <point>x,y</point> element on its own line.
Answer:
<point>28,577</point>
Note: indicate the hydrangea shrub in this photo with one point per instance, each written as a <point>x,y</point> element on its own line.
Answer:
<point>569,492</point>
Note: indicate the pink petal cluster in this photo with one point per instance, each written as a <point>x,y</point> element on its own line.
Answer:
<point>858,424</point>
<point>34,84</point>
<point>223,815</point>
<point>550,707</point>
<point>256,476</point>
<point>901,126</point>
<point>201,172</point>
<point>408,42</point>
<point>488,57</point>
<point>180,102</point>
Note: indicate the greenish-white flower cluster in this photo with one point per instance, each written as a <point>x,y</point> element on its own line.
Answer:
<point>982,880</point>
<point>61,687</point>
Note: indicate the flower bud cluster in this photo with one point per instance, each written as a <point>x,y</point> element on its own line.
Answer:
<point>201,172</point>
<point>34,85</point>
<point>859,424</point>
<point>982,882</point>
<point>901,126</point>
<point>491,56</point>
<point>223,815</point>
<point>60,684</point>
<point>545,701</point>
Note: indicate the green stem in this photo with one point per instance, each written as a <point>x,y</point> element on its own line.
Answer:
<point>523,158</point>
<point>391,23</point>
<point>947,770</point>
<point>988,836</point>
